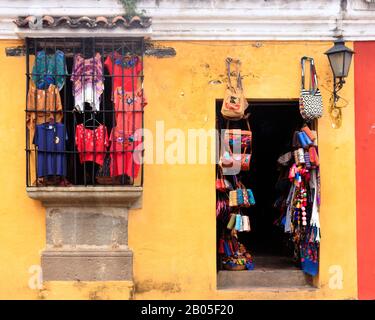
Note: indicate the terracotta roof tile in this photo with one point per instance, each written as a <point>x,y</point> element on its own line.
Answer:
<point>34,22</point>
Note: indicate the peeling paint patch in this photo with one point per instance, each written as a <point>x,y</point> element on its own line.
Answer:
<point>159,51</point>
<point>215,81</point>
<point>79,285</point>
<point>257,45</point>
<point>15,51</point>
<point>149,285</point>
<point>97,293</point>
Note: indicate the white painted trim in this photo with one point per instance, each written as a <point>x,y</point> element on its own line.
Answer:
<point>63,32</point>
<point>209,19</point>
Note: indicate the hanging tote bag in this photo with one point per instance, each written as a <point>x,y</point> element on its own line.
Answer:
<point>236,137</point>
<point>240,141</point>
<point>236,160</point>
<point>234,103</point>
<point>310,102</point>
<point>220,183</point>
<point>245,160</point>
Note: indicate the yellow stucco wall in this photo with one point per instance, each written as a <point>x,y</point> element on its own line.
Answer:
<point>173,235</point>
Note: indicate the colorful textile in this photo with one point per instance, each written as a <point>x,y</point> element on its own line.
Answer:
<point>125,71</point>
<point>44,105</point>
<point>310,252</point>
<point>87,78</point>
<point>302,211</point>
<point>50,142</point>
<point>125,153</point>
<point>49,69</point>
<point>91,144</point>
<point>128,110</point>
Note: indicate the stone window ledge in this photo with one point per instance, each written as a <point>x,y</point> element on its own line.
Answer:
<point>129,197</point>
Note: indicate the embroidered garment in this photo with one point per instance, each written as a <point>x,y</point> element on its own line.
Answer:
<point>125,71</point>
<point>50,142</point>
<point>87,78</point>
<point>47,104</point>
<point>128,110</point>
<point>309,248</point>
<point>91,144</point>
<point>49,69</point>
<point>123,159</point>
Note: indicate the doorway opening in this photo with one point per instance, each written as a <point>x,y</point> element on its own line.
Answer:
<point>273,124</point>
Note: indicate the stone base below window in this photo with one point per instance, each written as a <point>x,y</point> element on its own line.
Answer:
<point>87,232</point>
<point>103,265</point>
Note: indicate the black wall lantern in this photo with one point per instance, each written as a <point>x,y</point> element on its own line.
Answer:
<point>340,58</point>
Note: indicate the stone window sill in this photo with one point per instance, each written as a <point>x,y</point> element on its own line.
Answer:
<point>127,196</point>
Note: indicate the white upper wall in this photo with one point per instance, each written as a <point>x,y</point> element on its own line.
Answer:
<point>216,19</point>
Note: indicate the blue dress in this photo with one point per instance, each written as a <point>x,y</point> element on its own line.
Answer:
<point>50,142</point>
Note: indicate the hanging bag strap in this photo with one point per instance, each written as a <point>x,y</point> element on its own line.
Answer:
<point>227,65</point>
<point>313,85</point>
<point>237,182</point>
<point>246,118</point>
<point>244,150</point>
<point>228,62</point>
<point>219,174</point>
<point>314,78</point>
<point>227,124</point>
<point>303,62</point>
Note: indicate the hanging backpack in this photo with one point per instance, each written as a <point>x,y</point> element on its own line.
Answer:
<point>310,102</point>
<point>234,103</point>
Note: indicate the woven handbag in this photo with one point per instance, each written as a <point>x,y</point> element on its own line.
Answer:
<point>310,102</point>
<point>234,103</point>
<point>236,137</point>
<point>241,197</point>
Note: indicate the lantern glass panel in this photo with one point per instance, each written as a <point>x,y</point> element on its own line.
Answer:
<point>337,63</point>
<point>347,61</point>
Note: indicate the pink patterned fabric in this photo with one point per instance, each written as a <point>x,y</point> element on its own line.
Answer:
<point>87,78</point>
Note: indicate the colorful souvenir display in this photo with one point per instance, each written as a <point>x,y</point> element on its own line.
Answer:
<point>235,256</point>
<point>121,152</point>
<point>301,207</point>
<point>233,198</point>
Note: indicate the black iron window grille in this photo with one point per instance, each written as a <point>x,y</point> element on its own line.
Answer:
<point>84,111</point>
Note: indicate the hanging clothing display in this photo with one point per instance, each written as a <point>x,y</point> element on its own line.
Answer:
<point>44,105</point>
<point>49,69</point>
<point>125,153</point>
<point>128,109</point>
<point>91,144</point>
<point>50,140</point>
<point>107,160</point>
<point>87,78</point>
<point>300,208</point>
<point>124,70</point>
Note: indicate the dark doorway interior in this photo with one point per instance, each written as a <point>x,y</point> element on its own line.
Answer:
<point>272,124</point>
